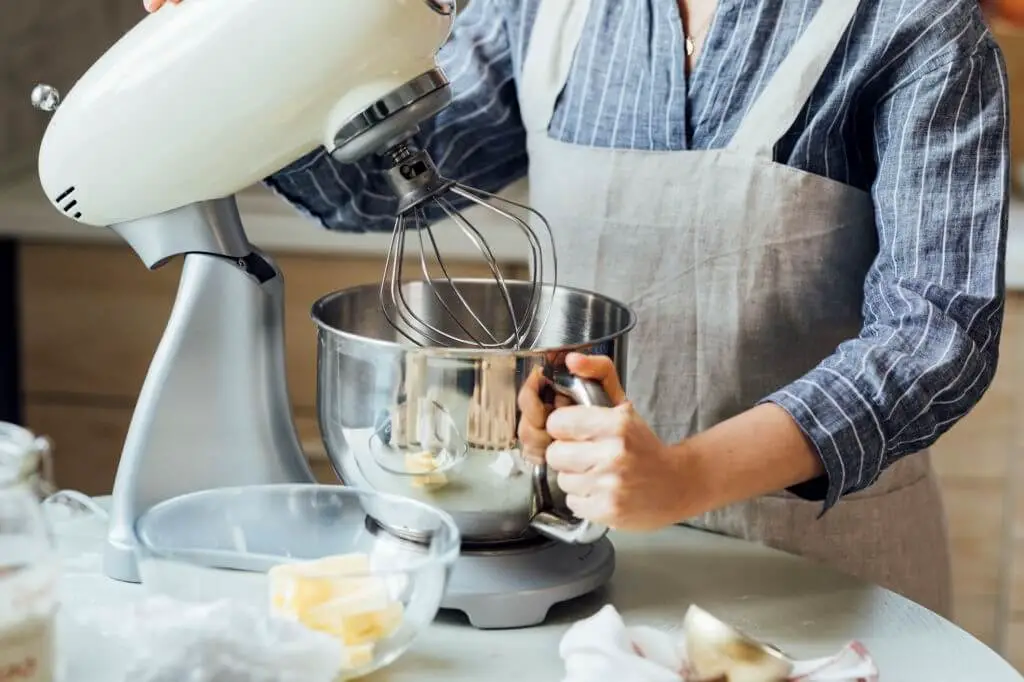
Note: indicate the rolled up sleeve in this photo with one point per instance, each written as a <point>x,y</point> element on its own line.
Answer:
<point>478,139</point>
<point>933,298</point>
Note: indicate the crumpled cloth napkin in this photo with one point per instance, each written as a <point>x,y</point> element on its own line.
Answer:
<point>603,648</point>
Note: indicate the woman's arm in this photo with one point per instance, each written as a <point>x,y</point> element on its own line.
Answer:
<point>933,303</point>
<point>479,139</point>
<point>926,354</point>
<point>933,299</point>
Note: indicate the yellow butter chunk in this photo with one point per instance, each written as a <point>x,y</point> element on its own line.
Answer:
<point>423,465</point>
<point>355,627</point>
<point>355,657</point>
<point>338,597</point>
<point>296,588</point>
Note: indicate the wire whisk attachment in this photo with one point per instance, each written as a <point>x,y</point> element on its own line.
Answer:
<point>497,314</point>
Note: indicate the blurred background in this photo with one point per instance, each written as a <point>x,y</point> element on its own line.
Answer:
<point>80,316</point>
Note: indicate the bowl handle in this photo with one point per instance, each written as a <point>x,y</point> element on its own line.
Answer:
<point>556,524</point>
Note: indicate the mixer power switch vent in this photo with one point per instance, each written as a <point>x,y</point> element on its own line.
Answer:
<point>258,267</point>
<point>68,202</point>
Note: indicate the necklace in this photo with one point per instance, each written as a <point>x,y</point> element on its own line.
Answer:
<point>689,43</point>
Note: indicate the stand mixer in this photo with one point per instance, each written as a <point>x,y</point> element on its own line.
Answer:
<point>204,99</point>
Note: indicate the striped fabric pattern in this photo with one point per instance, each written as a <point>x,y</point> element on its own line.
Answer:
<point>912,108</point>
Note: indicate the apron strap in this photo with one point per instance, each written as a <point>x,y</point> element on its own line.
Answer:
<point>556,34</point>
<point>776,109</point>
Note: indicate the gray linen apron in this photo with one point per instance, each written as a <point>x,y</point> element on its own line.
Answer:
<point>745,274</point>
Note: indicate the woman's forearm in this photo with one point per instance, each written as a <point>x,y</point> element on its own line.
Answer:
<point>757,452</point>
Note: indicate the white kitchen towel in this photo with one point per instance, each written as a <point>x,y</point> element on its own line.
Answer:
<point>603,648</point>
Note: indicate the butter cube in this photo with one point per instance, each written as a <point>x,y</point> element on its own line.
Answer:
<point>364,595</point>
<point>338,597</point>
<point>505,465</point>
<point>355,657</point>
<point>423,465</point>
<point>296,588</point>
<point>348,622</point>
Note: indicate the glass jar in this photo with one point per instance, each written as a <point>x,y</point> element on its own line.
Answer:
<point>29,570</point>
<point>25,459</point>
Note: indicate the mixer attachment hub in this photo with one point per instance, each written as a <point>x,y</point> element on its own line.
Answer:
<point>392,119</point>
<point>413,177</point>
<point>387,128</point>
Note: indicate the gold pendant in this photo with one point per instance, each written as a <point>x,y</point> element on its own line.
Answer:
<point>689,46</point>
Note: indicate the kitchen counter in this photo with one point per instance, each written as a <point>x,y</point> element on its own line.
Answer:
<point>274,226</point>
<point>797,605</point>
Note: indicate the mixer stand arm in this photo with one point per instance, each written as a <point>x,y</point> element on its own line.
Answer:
<point>214,409</point>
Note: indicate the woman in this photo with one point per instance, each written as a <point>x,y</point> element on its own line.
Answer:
<point>805,202</point>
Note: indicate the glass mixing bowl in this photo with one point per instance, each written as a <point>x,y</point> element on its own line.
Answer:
<point>233,543</point>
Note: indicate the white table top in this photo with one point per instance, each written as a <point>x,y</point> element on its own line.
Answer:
<point>799,606</point>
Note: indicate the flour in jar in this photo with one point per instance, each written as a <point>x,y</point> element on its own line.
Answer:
<point>26,624</point>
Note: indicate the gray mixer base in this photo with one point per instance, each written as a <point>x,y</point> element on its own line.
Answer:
<point>496,589</point>
<point>515,588</point>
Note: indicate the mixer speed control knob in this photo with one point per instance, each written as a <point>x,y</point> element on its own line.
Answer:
<point>45,98</point>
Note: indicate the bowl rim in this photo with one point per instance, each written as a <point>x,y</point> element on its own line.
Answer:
<point>447,556</point>
<point>315,313</point>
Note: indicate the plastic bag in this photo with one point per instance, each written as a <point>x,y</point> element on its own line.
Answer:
<point>162,640</point>
<point>113,632</point>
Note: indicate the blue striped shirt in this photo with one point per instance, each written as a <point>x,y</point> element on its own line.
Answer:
<point>912,108</point>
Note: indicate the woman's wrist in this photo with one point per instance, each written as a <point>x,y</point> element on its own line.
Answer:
<point>755,453</point>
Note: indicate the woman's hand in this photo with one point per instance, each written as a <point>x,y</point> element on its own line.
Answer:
<point>617,472</point>
<point>154,5</point>
<point>612,467</point>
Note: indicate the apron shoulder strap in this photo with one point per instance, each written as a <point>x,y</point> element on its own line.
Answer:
<point>775,110</point>
<point>556,34</point>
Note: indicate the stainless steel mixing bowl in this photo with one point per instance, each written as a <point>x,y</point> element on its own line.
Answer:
<point>439,424</point>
